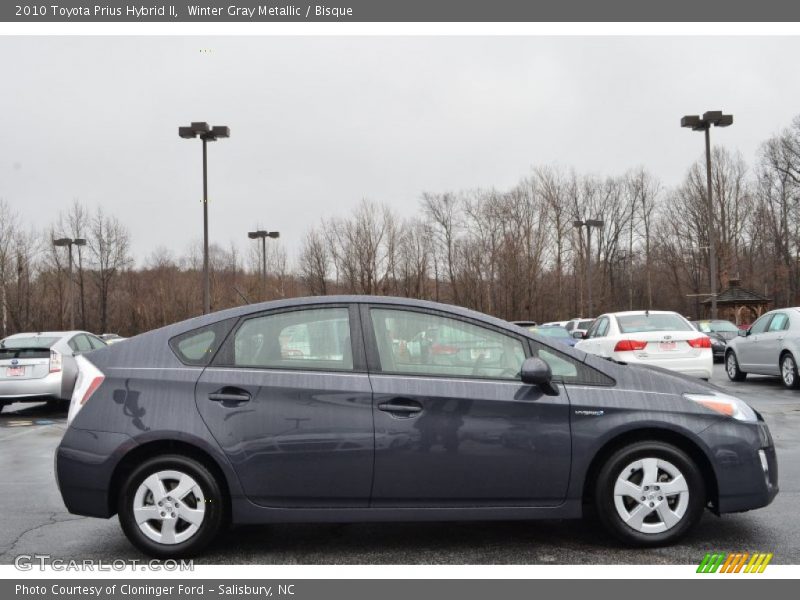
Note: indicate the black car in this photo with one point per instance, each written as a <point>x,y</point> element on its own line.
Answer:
<point>315,410</point>
<point>721,332</point>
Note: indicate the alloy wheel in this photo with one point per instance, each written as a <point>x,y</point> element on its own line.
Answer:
<point>730,363</point>
<point>651,495</point>
<point>169,507</point>
<point>788,370</point>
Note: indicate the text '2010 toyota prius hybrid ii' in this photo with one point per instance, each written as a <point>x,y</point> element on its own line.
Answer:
<point>357,408</point>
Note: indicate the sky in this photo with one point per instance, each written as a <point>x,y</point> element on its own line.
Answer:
<point>320,123</point>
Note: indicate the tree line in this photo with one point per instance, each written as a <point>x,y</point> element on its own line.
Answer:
<point>513,253</point>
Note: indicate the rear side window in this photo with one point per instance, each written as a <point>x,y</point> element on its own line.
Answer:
<point>80,343</point>
<point>198,346</point>
<point>317,339</point>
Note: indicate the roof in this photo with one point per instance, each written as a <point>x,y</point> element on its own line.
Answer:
<point>736,294</point>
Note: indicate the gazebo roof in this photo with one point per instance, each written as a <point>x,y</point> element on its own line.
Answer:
<point>736,294</point>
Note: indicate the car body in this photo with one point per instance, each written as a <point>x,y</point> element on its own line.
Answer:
<point>578,327</point>
<point>656,337</point>
<point>556,333</point>
<point>40,366</point>
<point>555,323</point>
<point>720,331</point>
<point>210,420</point>
<point>771,346</point>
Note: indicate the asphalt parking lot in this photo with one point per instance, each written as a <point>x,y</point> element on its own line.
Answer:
<point>34,519</point>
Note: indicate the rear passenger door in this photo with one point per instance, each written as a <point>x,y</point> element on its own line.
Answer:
<point>289,401</point>
<point>454,424</point>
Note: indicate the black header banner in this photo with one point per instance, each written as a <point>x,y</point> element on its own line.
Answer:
<point>266,11</point>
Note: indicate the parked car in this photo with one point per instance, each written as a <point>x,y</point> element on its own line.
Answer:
<point>721,332</point>
<point>558,334</point>
<point>656,337</point>
<point>558,323</point>
<point>184,429</point>
<point>525,324</point>
<point>578,327</point>
<point>770,347</point>
<point>111,338</point>
<point>35,367</point>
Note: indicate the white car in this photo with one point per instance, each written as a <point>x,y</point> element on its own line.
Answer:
<point>554,324</point>
<point>656,337</point>
<point>578,325</point>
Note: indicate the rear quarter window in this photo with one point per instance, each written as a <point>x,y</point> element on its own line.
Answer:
<point>198,346</point>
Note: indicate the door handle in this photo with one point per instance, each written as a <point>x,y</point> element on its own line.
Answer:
<point>234,395</point>
<point>406,408</point>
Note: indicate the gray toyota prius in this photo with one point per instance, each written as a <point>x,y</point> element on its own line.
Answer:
<point>358,408</point>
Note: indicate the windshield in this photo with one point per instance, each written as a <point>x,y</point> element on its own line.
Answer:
<point>557,332</point>
<point>33,341</point>
<point>652,322</point>
<point>708,326</point>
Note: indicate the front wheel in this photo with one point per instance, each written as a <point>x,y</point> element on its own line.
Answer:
<point>789,372</point>
<point>649,494</point>
<point>732,367</point>
<point>171,506</point>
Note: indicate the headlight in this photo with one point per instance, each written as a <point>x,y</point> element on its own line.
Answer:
<point>730,406</point>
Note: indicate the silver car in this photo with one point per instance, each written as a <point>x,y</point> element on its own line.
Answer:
<point>41,366</point>
<point>770,347</point>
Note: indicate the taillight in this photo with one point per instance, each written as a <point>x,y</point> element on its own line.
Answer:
<point>443,349</point>
<point>89,379</point>
<point>702,342</point>
<point>629,345</point>
<point>55,361</point>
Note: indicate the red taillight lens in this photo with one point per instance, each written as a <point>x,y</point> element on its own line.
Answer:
<point>443,349</point>
<point>55,361</point>
<point>703,342</point>
<point>629,345</point>
<point>95,383</point>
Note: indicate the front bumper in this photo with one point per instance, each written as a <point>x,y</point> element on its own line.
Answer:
<point>744,459</point>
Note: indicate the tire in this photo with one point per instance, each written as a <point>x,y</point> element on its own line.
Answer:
<point>789,375</point>
<point>662,521</point>
<point>732,367</point>
<point>183,538</point>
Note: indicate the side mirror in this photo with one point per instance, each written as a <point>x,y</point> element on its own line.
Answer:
<point>537,372</point>
<point>579,335</point>
<point>744,332</point>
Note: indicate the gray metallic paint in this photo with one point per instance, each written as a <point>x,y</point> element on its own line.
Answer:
<point>144,399</point>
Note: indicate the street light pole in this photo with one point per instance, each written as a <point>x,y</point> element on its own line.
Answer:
<point>716,118</point>
<point>69,243</point>
<point>207,134</point>
<point>263,235</point>
<point>589,223</point>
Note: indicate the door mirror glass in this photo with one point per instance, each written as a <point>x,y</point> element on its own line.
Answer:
<point>578,335</point>
<point>744,332</point>
<point>537,372</point>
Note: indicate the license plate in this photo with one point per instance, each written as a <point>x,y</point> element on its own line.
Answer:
<point>667,346</point>
<point>15,371</point>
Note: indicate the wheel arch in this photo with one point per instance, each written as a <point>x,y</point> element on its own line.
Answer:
<point>149,449</point>
<point>652,434</point>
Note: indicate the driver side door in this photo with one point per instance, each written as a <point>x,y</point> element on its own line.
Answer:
<point>454,424</point>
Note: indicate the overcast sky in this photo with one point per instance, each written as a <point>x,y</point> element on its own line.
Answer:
<point>317,124</point>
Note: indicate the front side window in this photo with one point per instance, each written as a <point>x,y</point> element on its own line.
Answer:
<point>567,369</point>
<point>304,339</point>
<point>80,343</point>
<point>602,327</point>
<point>428,344</point>
<point>760,326</point>
<point>779,322</point>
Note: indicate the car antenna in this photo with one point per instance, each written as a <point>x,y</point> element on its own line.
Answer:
<point>238,291</point>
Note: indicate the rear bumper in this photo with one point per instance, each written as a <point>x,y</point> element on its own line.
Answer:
<point>693,366</point>
<point>85,463</point>
<point>14,390</point>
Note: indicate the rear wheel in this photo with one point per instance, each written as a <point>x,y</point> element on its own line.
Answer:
<point>649,494</point>
<point>732,367</point>
<point>171,506</point>
<point>789,372</point>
